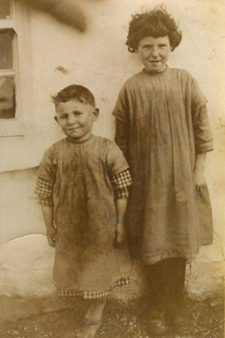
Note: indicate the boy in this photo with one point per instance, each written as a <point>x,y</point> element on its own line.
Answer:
<point>82,187</point>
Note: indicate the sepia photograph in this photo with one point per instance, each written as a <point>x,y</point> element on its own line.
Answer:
<point>112,180</point>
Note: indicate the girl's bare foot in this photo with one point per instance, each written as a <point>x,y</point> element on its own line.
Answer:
<point>156,323</point>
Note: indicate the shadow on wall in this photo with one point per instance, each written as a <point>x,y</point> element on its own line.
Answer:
<point>66,11</point>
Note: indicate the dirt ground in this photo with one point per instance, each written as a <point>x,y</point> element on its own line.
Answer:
<point>120,320</point>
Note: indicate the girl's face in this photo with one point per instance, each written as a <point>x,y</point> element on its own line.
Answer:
<point>154,53</point>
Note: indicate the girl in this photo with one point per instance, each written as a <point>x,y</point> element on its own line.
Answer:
<point>162,128</point>
<point>82,187</point>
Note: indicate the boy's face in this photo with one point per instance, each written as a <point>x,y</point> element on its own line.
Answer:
<point>76,118</point>
<point>154,53</point>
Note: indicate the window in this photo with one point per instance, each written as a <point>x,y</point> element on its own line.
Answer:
<point>16,95</point>
<point>8,60</point>
<point>7,75</point>
<point>5,9</point>
<point>15,68</point>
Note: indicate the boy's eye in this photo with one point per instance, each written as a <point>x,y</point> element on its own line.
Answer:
<point>64,116</point>
<point>77,113</point>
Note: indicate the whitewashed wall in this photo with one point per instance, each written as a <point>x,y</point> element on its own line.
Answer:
<point>99,60</point>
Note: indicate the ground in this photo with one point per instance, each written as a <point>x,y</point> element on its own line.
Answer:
<point>120,320</point>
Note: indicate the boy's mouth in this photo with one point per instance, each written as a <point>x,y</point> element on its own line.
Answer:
<point>72,129</point>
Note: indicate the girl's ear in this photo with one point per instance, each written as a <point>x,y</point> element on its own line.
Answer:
<point>95,114</point>
<point>56,119</point>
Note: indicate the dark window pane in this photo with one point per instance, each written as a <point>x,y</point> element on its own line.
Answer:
<point>6,49</point>
<point>4,9</point>
<point>7,97</point>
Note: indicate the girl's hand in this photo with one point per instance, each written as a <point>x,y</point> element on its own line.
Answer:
<point>199,171</point>
<point>199,178</point>
<point>119,234</point>
<point>51,234</point>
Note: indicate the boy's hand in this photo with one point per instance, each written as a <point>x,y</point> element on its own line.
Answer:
<point>199,178</point>
<point>119,234</point>
<point>51,234</point>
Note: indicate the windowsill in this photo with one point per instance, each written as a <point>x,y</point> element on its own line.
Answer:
<point>10,136</point>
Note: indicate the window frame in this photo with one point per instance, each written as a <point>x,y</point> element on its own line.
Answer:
<point>19,21</point>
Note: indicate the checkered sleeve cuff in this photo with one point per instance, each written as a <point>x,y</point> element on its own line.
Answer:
<point>121,183</point>
<point>43,191</point>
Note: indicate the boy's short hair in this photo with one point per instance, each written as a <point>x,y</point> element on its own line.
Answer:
<point>75,92</point>
<point>156,23</point>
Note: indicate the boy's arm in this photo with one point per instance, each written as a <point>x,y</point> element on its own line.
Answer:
<point>121,207</point>
<point>44,192</point>
<point>47,212</point>
<point>121,183</point>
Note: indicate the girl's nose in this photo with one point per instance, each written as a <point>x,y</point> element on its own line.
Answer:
<point>155,52</point>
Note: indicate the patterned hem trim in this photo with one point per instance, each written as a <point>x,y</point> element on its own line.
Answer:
<point>92,294</point>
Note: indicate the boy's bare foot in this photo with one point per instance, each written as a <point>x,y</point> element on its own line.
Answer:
<point>92,319</point>
<point>88,331</point>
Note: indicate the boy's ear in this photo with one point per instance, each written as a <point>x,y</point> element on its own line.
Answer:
<point>56,119</point>
<point>95,114</point>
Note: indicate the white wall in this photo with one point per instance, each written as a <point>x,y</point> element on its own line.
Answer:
<point>99,60</point>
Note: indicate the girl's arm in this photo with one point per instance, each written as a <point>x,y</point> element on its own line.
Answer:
<point>122,137</point>
<point>199,170</point>
<point>203,143</point>
<point>202,131</point>
<point>47,212</point>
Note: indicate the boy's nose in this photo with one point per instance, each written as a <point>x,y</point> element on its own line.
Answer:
<point>71,120</point>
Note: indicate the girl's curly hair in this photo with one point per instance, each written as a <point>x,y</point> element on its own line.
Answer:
<point>156,23</point>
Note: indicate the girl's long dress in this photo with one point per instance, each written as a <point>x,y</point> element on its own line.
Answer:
<point>84,212</point>
<point>161,125</point>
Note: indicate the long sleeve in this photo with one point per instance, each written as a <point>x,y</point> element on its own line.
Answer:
<point>122,137</point>
<point>202,131</point>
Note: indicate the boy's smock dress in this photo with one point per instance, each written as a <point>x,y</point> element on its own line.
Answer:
<point>162,124</point>
<point>81,177</point>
